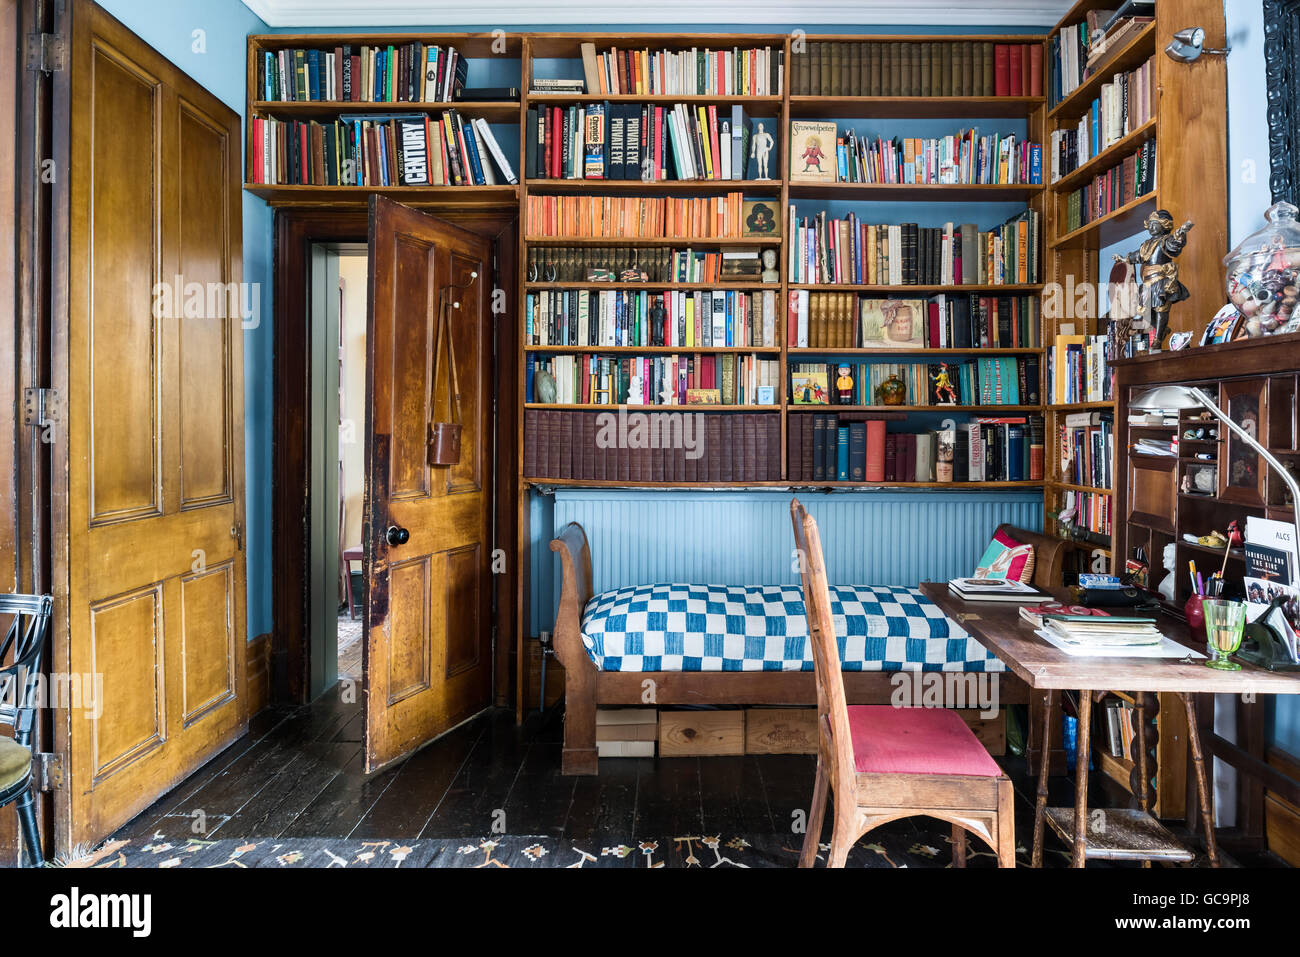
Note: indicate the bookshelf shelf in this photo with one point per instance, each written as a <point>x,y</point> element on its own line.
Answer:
<point>458,197</point>
<point>790,485</point>
<point>651,286</point>
<point>1111,156</point>
<point>697,242</point>
<point>917,192</point>
<point>757,104</point>
<point>1080,488</point>
<point>913,107</point>
<point>983,410</point>
<point>658,350</point>
<point>607,407</point>
<point>896,290</point>
<point>1135,52</point>
<point>492,111</point>
<point>761,187</point>
<point>1116,225</point>
<point>886,353</point>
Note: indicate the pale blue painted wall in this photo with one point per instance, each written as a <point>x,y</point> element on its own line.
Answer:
<point>219,65</point>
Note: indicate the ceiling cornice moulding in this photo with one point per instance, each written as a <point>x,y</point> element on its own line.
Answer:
<point>508,13</point>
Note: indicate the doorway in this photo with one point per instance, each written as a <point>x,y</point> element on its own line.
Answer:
<point>358,304</point>
<point>339,280</point>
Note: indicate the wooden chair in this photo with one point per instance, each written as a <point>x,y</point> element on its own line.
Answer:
<point>884,763</point>
<point>22,647</point>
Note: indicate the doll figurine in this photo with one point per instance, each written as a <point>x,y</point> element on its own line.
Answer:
<point>944,393</point>
<point>844,386</point>
<point>1155,262</point>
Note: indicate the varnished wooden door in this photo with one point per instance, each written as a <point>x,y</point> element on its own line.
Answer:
<point>428,645</point>
<point>148,490</point>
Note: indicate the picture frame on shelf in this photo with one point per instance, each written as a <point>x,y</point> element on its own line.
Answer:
<point>760,219</point>
<point>1242,475</point>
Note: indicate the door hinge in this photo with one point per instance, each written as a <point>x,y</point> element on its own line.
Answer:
<point>47,771</point>
<point>46,52</point>
<point>40,407</point>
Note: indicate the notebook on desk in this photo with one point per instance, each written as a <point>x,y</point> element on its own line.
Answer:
<point>995,589</point>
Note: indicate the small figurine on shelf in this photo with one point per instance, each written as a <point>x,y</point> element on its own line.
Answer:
<point>761,150</point>
<point>844,385</point>
<point>770,272</point>
<point>1156,264</point>
<point>657,316</point>
<point>944,393</point>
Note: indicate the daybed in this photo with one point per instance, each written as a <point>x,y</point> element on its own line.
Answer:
<point>682,644</point>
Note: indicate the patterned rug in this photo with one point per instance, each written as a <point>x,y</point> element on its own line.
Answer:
<point>931,850</point>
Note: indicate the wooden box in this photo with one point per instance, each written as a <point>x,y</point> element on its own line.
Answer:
<point>992,732</point>
<point>696,733</point>
<point>781,731</point>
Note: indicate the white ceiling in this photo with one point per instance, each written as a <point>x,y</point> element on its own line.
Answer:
<point>508,13</point>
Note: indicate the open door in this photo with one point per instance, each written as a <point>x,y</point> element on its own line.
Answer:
<point>147,434</point>
<point>427,528</point>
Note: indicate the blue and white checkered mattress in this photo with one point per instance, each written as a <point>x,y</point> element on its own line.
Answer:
<point>676,627</point>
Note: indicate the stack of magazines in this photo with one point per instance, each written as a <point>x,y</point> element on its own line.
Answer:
<point>1096,632</point>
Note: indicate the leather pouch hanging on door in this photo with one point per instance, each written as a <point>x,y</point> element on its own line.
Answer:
<point>445,437</point>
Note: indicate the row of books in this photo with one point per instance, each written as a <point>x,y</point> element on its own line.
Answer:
<point>829,448</point>
<point>1125,104</point>
<point>825,250</point>
<point>904,68</point>
<point>1120,727</point>
<point>1087,516</point>
<point>740,71</point>
<point>847,320</point>
<point>991,381</point>
<point>964,157</point>
<point>641,141</point>
<point>401,73</point>
<point>1080,50</point>
<point>614,217</point>
<point>604,263</point>
<point>378,151</point>
<point>1087,443</point>
<point>657,447</point>
<point>656,380</point>
<point>1079,370</point>
<point>1119,185</point>
<point>717,318</point>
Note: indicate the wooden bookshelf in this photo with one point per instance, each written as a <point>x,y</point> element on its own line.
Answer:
<point>1191,177</point>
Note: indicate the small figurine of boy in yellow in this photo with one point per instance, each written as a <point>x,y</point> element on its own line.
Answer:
<point>944,393</point>
<point>844,386</point>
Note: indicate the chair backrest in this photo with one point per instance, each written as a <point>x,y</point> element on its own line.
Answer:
<point>20,656</point>
<point>835,741</point>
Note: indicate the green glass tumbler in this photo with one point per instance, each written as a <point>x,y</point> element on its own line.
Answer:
<point>1225,621</point>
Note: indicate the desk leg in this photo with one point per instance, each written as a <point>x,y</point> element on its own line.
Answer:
<point>1082,754</point>
<point>1044,765</point>
<point>1203,796</point>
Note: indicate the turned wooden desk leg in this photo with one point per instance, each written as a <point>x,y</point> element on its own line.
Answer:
<point>1143,794</point>
<point>1044,765</point>
<point>1203,796</point>
<point>1082,753</point>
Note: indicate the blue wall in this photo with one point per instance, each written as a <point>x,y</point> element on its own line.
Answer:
<point>218,63</point>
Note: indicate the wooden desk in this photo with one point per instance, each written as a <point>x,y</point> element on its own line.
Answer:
<point>1044,667</point>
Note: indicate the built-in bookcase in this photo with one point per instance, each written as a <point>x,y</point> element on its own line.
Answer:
<point>1185,128</point>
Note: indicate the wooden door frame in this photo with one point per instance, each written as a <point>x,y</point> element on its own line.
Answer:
<point>297,230</point>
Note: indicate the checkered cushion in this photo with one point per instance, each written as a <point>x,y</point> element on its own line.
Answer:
<point>677,627</point>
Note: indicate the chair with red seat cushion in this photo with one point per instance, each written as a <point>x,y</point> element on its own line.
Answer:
<point>883,763</point>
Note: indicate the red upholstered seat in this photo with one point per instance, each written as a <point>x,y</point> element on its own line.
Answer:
<point>889,740</point>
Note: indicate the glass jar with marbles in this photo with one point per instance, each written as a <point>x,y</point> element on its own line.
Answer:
<point>1264,274</point>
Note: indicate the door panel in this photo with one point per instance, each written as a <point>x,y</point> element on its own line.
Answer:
<point>150,589</point>
<point>428,662</point>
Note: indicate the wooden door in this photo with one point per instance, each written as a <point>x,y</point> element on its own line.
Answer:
<point>148,490</point>
<point>428,645</point>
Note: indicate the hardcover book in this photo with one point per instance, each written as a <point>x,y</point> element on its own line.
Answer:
<point>812,151</point>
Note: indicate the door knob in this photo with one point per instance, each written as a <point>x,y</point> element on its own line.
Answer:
<point>396,535</point>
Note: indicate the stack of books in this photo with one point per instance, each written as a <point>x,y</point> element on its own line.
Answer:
<point>996,589</point>
<point>1096,633</point>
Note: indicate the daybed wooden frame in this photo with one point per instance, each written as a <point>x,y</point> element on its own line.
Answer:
<point>586,687</point>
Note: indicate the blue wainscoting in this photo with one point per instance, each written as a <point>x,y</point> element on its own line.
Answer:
<point>735,538</point>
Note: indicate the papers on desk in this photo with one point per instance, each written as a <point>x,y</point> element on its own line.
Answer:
<point>1109,637</point>
<point>995,589</point>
